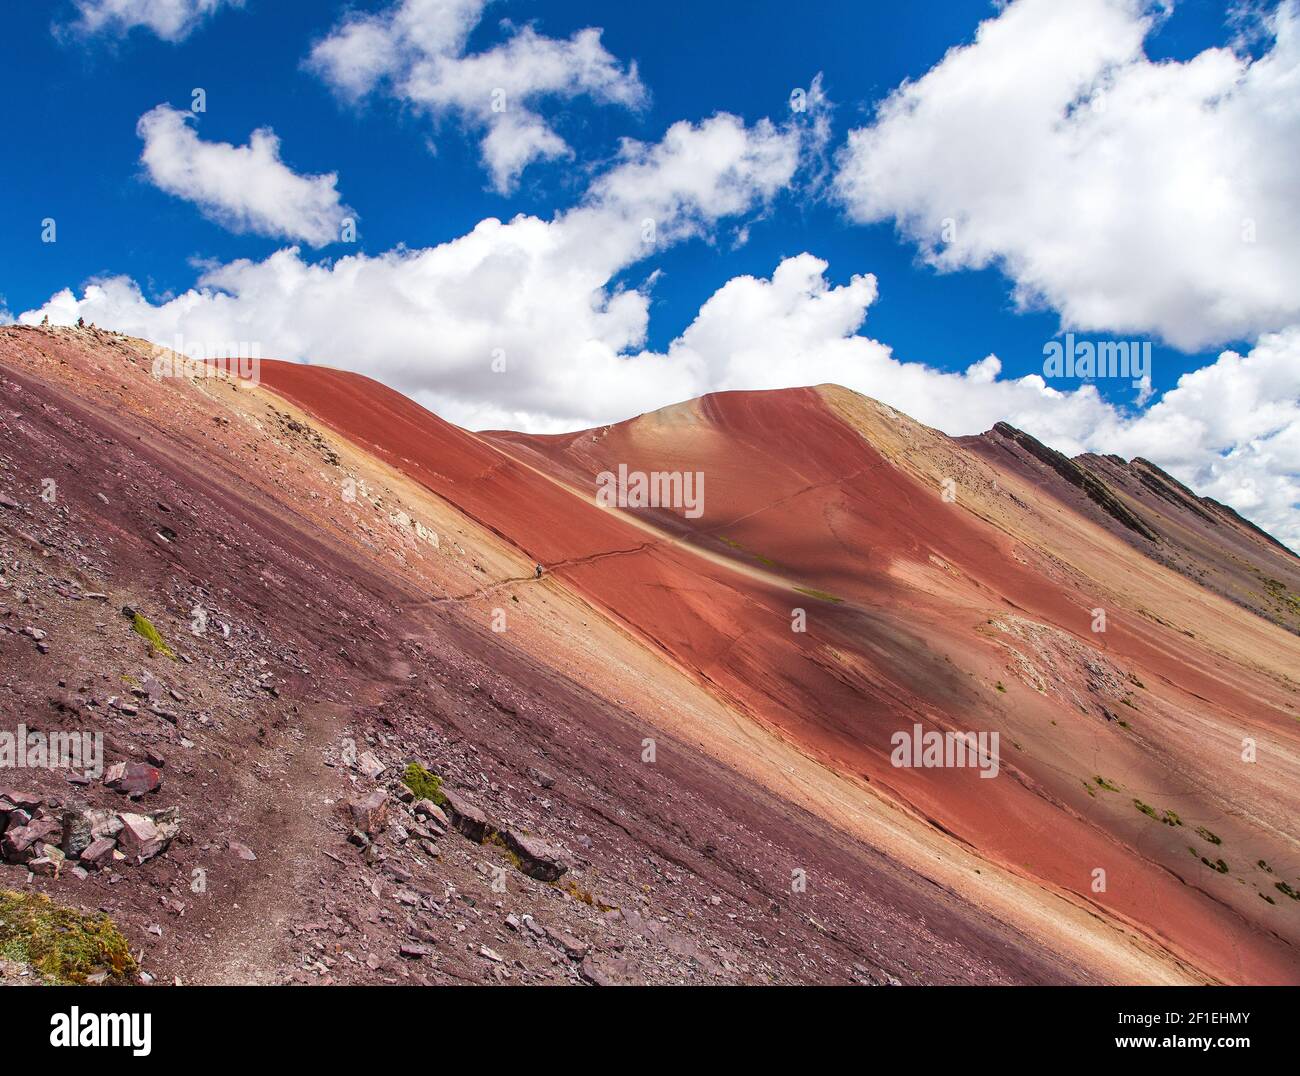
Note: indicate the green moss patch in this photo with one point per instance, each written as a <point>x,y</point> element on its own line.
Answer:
<point>425,785</point>
<point>62,944</point>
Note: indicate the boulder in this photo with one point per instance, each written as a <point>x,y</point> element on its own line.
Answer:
<point>370,812</point>
<point>133,779</point>
<point>429,809</point>
<point>99,853</point>
<point>19,841</point>
<point>83,826</point>
<point>145,836</point>
<point>466,817</point>
<point>537,859</point>
<point>48,860</point>
<point>17,819</point>
<point>28,801</point>
<point>369,765</point>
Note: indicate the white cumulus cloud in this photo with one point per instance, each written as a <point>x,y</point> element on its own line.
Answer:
<point>1130,195</point>
<point>244,188</point>
<point>539,292</point>
<point>415,50</point>
<point>171,20</point>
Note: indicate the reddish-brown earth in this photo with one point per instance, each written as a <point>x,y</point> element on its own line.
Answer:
<point>375,565</point>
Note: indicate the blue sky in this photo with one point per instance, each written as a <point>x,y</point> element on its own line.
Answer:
<point>415,179</point>
<point>80,162</point>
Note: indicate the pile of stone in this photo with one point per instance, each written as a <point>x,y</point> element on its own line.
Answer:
<point>48,840</point>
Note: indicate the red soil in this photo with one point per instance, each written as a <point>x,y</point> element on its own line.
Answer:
<point>795,497</point>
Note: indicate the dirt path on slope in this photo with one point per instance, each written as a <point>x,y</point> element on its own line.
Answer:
<point>286,823</point>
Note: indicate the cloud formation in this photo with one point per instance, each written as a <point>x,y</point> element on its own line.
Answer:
<point>519,324</point>
<point>1129,195</point>
<point>171,20</point>
<point>243,188</point>
<point>415,51</point>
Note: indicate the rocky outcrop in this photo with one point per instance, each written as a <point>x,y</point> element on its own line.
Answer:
<point>1093,488</point>
<point>466,817</point>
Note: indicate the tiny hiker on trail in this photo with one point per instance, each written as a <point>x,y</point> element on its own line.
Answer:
<point>539,571</point>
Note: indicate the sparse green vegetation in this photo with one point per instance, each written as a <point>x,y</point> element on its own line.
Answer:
<point>767,562</point>
<point>62,944</point>
<point>1286,890</point>
<point>1262,865</point>
<point>584,896</point>
<point>1167,817</point>
<point>1205,834</point>
<point>494,837</point>
<point>819,594</point>
<point>1217,865</point>
<point>1103,783</point>
<point>149,633</point>
<point>425,785</point>
<point>1001,687</point>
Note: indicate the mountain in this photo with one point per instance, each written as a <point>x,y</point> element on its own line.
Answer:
<point>694,711</point>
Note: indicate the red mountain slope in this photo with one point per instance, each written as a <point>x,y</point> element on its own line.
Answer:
<point>950,584</point>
